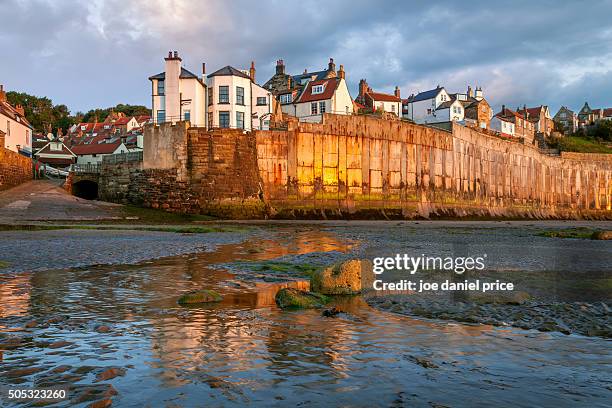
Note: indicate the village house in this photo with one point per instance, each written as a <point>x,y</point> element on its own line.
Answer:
<point>310,94</point>
<point>178,94</point>
<point>236,101</point>
<point>540,117</point>
<point>522,129</point>
<point>54,152</point>
<point>567,119</point>
<point>477,110</point>
<point>503,122</point>
<point>378,101</point>
<point>588,116</point>
<point>16,128</point>
<point>92,153</point>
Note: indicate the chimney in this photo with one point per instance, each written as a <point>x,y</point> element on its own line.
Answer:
<point>252,71</point>
<point>341,72</point>
<point>2,94</point>
<point>363,87</point>
<point>331,67</point>
<point>280,67</point>
<point>397,92</point>
<point>525,110</point>
<point>305,71</point>
<point>20,110</point>
<point>503,112</point>
<point>203,69</point>
<point>172,87</point>
<point>479,95</point>
<point>470,93</point>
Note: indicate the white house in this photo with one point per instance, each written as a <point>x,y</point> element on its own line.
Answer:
<point>329,95</point>
<point>438,106</point>
<point>236,101</point>
<point>17,129</point>
<point>56,154</point>
<point>503,124</point>
<point>178,94</point>
<point>94,152</point>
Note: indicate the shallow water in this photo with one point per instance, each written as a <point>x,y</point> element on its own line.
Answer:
<point>245,350</point>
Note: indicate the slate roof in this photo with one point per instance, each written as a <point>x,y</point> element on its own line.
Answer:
<point>229,71</point>
<point>185,74</point>
<point>422,96</point>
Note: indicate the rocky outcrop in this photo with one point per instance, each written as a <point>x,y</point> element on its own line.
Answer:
<point>288,298</point>
<point>200,296</point>
<point>347,278</point>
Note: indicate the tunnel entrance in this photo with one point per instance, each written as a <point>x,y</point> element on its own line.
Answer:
<point>86,189</point>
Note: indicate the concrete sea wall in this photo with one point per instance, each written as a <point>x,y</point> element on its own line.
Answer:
<point>358,167</point>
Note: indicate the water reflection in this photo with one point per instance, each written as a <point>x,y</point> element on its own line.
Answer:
<point>245,350</point>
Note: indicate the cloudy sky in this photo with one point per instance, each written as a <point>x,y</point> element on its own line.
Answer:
<point>98,53</point>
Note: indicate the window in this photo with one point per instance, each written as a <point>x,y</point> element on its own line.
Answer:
<point>210,96</point>
<point>8,127</point>
<point>429,111</point>
<point>187,115</point>
<point>261,100</point>
<point>210,120</point>
<point>240,120</point>
<point>161,87</point>
<point>313,108</point>
<point>286,98</point>
<point>322,107</point>
<point>317,89</point>
<point>224,94</point>
<point>161,116</point>
<point>239,95</point>
<point>224,119</point>
<point>83,127</point>
<point>393,108</point>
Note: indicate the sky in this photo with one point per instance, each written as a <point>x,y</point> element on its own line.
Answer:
<point>98,53</point>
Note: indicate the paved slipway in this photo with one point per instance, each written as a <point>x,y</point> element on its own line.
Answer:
<point>45,202</point>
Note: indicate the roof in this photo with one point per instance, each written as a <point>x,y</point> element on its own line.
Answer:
<point>422,96</point>
<point>319,76</point>
<point>185,74</point>
<point>229,71</point>
<point>330,86</point>
<point>9,111</point>
<point>508,115</point>
<point>383,97</point>
<point>534,113</point>
<point>607,112</point>
<point>123,121</point>
<point>47,150</point>
<point>96,148</point>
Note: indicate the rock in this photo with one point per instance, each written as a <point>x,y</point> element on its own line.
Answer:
<point>103,403</point>
<point>294,298</point>
<point>61,369</point>
<point>333,312</point>
<point>347,278</point>
<point>424,362</point>
<point>102,329</point>
<point>31,324</point>
<point>602,235</point>
<point>200,296</point>
<point>505,298</point>
<point>109,374</point>
<point>59,344</point>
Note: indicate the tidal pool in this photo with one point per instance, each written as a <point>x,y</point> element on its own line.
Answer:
<point>72,326</point>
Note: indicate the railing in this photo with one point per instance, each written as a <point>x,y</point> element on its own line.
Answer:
<point>85,168</point>
<point>122,157</point>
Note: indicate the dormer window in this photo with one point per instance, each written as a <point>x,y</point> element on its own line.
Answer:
<point>317,89</point>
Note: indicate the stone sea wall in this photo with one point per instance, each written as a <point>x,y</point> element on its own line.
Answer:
<point>14,168</point>
<point>358,167</point>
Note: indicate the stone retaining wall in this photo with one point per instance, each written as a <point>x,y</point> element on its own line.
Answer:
<point>358,167</point>
<point>14,168</point>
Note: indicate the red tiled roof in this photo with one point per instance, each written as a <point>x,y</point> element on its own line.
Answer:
<point>47,150</point>
<point>607,112</point>
<point>96,148</point>
<point>330,86</point>
<point>383,97</point>
<point>122,121</point>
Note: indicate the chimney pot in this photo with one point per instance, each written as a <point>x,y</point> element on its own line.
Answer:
<point>397,92</point>
<point>203,68</point>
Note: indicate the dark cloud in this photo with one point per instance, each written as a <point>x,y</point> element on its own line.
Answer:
<point>100,52</point>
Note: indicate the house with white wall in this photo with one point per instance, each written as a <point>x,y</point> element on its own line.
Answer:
<point>323,96</point>
<point>379,101</point>
<point>178,94</point>
<point>17,129</point>
<point>236,101</point>
<point>94,152</point>
<point>504,123</point>
<point>421,108</point>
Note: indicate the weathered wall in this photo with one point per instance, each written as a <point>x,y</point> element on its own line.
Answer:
<point>14,168</point>
<point>359,167</point>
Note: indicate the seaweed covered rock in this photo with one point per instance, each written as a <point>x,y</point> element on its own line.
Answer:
<point>293,298</point>
<point>347,278</point>
<point>200,296</point>
<point>602,235</point>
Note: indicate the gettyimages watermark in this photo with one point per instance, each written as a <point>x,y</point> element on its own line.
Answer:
<point>398,268</point>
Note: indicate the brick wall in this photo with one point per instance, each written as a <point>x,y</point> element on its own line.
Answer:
<point>14,168</point>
